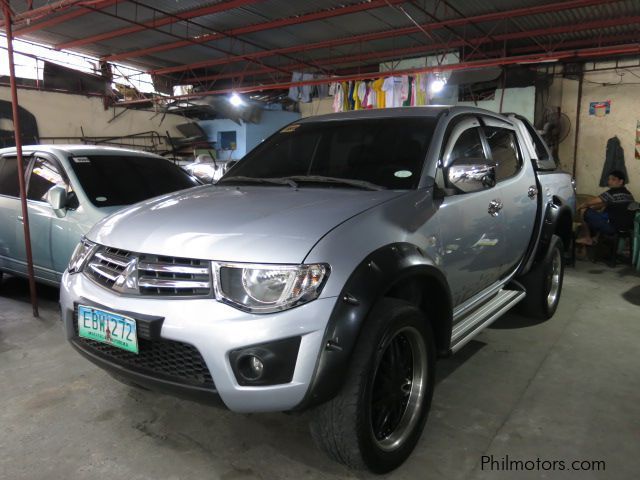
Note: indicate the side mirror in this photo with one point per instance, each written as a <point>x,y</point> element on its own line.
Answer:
<point>471,174</point>
<point>57,198</point>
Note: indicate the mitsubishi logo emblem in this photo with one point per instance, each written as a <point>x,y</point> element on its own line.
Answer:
<point>127,281</point>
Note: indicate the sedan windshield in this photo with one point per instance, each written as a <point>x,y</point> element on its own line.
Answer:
<point>365,153</point>
<point>110,180</point>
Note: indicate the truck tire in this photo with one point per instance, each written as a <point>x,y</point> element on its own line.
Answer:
<point>544,283</point>
<point>377,418</point>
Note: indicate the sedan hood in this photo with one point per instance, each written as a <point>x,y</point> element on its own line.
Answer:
<point>261,224</point>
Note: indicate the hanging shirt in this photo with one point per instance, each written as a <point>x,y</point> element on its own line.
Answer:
<point>407,100</point>
<point>379,93</point>
<point>392,86</point>
<point>338,97</point>
<point>352,101</point>
<point>305,90</point>
<point>372,101</point>
<point>357,104</point>
<point>294,92</point>
<point>421,89</point>
<point>345,96</point>
<point>362,95</point>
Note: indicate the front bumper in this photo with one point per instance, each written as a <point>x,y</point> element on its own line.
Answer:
<point>216,330</point>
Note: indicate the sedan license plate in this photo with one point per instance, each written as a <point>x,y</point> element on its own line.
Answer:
<point>108,327</point>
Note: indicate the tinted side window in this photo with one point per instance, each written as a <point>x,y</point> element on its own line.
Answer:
<point>468,145</point>
<point>504,150</point>
<point>45,174</point>
<point>9,177</point>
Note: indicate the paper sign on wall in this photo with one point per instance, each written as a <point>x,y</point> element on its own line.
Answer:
<point>600,109</point>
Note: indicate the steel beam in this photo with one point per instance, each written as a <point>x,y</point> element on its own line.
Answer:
<point>426,49</point>
<point>367,37</point>
<point>43,11</point>
<point>64,18</point>
<point>633,49</point>
<point>283,22</point>
<point>21,169</point>
<point>158,22</point>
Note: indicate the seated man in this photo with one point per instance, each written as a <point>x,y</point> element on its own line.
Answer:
<point>616,215</point>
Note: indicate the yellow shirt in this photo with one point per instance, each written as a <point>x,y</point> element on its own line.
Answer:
<point>380,96</point>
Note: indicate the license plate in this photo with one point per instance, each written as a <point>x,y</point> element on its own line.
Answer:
<point>108,327</point>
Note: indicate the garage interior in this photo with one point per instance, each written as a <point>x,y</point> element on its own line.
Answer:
<point>221,76</point>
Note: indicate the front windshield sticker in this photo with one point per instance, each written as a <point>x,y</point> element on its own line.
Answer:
<point>290,128</point>
<point>101,199</point>
<point>81,160</point>
<point>403,174</point>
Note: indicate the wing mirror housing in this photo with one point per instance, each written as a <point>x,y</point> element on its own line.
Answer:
<point>57,198</point>
<point>471,174</point>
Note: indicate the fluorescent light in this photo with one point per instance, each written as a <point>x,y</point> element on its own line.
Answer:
<point>236,100</point>
<point>437,85</point>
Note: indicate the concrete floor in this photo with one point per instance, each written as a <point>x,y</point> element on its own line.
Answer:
<point>567,389</point>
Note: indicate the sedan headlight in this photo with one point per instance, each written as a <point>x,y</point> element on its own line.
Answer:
<point>269,288</point>
<point>80,255</point>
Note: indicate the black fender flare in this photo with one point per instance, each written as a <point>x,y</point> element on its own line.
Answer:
<point>557,209</point>
<point>375,276</point>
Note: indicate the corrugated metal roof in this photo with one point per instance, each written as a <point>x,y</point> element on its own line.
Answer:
<point>383,19</point>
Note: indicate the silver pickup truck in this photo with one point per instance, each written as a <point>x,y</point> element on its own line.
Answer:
<point>328,270</point>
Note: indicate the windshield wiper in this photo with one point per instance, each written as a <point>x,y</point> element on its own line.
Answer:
<point>276,181</point>
<point>344,181</point>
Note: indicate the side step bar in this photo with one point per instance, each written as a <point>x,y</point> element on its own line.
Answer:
<point>476,320</point>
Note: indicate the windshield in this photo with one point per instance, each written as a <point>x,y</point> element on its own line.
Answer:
<point>383,152</point>
<point>110,180</point>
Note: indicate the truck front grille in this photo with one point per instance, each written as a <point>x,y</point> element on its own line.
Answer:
<point>149,275</point>
<point>165,359</point>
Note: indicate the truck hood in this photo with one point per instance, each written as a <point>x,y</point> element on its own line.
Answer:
<point>261,224</point>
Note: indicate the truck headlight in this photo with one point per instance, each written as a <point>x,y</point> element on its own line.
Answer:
<point>80,255</point>
<point>269,288</point>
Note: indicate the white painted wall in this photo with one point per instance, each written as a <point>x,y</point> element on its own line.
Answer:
<point>516,100</point>
<point>624,93</point>
<point>62,115</point>
<point>248,135</point>
<point>212,127</point>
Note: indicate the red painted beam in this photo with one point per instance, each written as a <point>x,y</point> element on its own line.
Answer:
<point>43,11</point>
<point>390,33</point>
<point>425,49</point>
<point>283,22</point>
<point>158,22</point>
<point>64,18</point>
<point>633,49</point>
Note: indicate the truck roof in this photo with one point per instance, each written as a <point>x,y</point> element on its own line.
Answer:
<point>430,111</point>
<point>76,150</point>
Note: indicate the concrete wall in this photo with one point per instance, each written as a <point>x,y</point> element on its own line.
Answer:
<point>248,135</point>
<point>517,100</point>
<point>624,93</point>
<point>62,115</point>
<point>212,127</point>
<point>270,122</point>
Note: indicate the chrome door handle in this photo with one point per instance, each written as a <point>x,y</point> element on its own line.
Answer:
<point>533,191</point>
<point>494,207</point>
<point>20,219</point>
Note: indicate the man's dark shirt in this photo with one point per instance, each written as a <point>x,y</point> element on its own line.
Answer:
<point>617,202</point>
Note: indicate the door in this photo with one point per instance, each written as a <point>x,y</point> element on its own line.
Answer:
<point>516,181</point>
<point>48,231</point>
<point>10,215</point>
<point>471,225</point>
